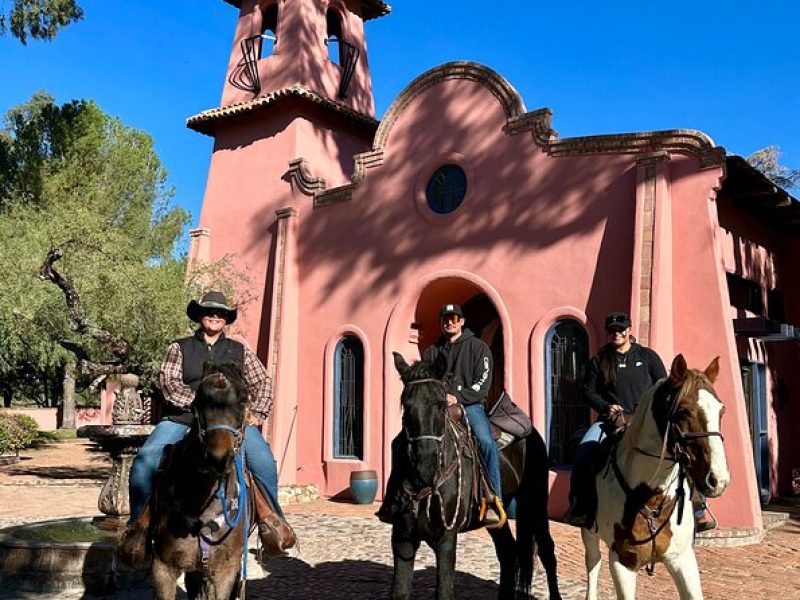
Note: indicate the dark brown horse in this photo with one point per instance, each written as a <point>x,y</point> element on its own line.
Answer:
<point>437,478</point>
<point>200,513</point>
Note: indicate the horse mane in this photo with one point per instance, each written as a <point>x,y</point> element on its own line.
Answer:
<point>694,381</point>
<point>219,376</point>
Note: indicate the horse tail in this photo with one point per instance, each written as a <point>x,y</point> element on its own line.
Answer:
<point>533,526</point>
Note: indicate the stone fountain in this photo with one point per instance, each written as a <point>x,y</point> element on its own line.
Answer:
<point>49,556</point>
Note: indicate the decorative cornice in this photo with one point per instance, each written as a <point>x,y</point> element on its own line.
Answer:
<point>538,121</point>
<point>685,141</point>
<point>206,121</point>
<point>298,172</point>
<point>497,84</point>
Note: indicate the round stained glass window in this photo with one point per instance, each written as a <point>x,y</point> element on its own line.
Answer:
<point>446,189</point>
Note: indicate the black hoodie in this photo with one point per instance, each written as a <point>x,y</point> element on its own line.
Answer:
<point>469,366</point>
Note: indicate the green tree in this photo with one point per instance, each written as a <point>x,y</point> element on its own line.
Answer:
<point>79,187</point>
<point>768,161</point>
<point>38,19</point>
<point>90,274</point>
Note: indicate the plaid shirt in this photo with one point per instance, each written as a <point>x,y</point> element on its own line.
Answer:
<point>259,384</point>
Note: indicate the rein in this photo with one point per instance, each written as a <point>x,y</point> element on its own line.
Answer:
<point>429,492</point>
<point>681,458</point>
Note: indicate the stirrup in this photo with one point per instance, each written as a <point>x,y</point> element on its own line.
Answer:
<point>497,507</point>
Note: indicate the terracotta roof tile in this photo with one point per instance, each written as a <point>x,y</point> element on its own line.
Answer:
<point>206,121</point>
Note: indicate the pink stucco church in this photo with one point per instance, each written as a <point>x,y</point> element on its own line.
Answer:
<point>356,229</point>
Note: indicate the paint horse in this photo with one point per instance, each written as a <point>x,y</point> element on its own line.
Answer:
<point>439,479</point>
<point>645,511</point>
<point>200,503</point>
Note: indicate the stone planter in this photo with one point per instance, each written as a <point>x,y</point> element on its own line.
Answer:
<point>364,486</point>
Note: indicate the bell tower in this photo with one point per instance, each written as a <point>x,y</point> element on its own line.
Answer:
<point>318,45</point>
<point>297,88</point>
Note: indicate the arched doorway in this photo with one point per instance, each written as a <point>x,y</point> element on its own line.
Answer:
<point>481,318</point>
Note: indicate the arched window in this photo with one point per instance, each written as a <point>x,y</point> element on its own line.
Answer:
<point>269,30</point>
<point>567,415</point>
<point>334,23</point>
<point>348,399</point>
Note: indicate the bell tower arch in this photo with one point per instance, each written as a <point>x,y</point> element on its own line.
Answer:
<point>317,45</point>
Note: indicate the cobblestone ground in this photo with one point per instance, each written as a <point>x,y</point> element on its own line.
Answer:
<point>344,552</point>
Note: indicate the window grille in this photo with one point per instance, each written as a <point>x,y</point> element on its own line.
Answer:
<point>567,352</point>
<point>446,189</point>
<point>348,404</point>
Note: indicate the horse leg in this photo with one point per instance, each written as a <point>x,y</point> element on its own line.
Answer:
<point>165,580</point>
<point>446,566</point>
<point>591,547</point>
<point>505,548</point>
<point>225,581</point>
<point>686,574</point>
<point>194,583</point>
<point>405,544</point>
<point>547,554</point>
<point>624,579</point>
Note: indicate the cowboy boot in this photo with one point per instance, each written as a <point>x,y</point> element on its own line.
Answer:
<point>275,533</point>
<point>134,548</point>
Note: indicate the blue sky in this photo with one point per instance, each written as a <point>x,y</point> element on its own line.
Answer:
<point>728,68</point>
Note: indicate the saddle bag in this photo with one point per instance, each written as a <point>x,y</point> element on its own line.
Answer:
<point>508,417</point>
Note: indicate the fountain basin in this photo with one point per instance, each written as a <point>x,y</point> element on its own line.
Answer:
<point>62,554</point>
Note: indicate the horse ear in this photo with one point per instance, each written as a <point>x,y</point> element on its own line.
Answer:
<point>712,370</point>
<point>400,364</point>
<point>678,371</point>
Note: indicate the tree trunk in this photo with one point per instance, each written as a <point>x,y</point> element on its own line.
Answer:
<point>68,422</point>
<point>8,395</point>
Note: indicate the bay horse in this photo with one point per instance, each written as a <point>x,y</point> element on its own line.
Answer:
<point>200,507</point>
<point>438,478</point>
<point>644,512</point>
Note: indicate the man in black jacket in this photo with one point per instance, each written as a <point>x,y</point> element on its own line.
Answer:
<point>468,378</point>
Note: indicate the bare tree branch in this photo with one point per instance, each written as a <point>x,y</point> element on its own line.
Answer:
<point>47,272</point>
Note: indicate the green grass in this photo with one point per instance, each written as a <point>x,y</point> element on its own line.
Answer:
<point>59,435</point>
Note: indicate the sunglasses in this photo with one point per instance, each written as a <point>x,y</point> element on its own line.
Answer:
<point>615,330</point>
<point>450,319</point>
<point>220,314</point>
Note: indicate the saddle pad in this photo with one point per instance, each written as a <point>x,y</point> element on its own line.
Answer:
<point>509,417</point>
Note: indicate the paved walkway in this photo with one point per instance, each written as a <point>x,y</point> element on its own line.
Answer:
<point>344,552</point>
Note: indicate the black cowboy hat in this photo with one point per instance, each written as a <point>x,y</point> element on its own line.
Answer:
<point>212,300</point>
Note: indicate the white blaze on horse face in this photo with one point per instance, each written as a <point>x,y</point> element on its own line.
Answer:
<point>712,408</point>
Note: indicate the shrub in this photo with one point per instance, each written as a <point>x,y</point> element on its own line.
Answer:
<point>16,432</point>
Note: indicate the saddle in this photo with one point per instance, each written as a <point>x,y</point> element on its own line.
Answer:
<point>134,550</point>
<point>509,423</point>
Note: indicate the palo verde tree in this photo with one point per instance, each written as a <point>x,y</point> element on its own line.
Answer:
<point>91,279</point>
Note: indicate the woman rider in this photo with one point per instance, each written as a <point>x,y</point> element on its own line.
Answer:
<point>615,379</point>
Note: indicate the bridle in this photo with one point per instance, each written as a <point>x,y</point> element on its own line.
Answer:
<point>442,475</point>
<point>203,430</point>
<point>680,439</point>
<point>681,458</point>
<point>436,438</point>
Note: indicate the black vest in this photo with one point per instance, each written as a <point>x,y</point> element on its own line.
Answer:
<point>196,351</point>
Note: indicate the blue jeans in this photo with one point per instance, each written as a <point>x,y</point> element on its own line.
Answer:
<point>258,457</point>
<point>482,430</point>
